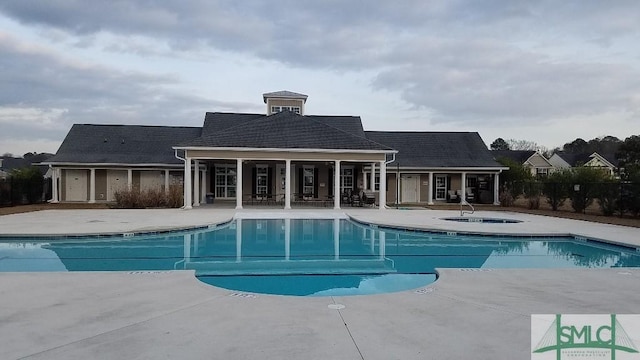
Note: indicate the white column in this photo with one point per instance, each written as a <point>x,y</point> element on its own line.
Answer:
<point>238,239</point>
<point>365,183</point>
<point>336,239</point>
<point>496,189</point>
<point>463,188</point>
<point>196,183</point>
<point>239,184</point>
<point>430,190</point>
<point>382,197</point>
<point>55,197</point>
<point>287,238</point>
<point>203,186</point>
<point>187,184</point>
<point>336,186</point>
<point>129,179</point>
<point>92,186</point>
<point>372,186</point>
<point>166,181</point>
<point>287,187</point>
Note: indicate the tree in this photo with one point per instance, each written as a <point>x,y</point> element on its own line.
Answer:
<point>499,144</point>
<point>628,156</point>
<point>585,182</point>
<point>512,181</point>
<point>522,145</point>
<point>577,146</point>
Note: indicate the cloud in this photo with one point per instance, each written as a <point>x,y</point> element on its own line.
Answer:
<point>495,63</point>
<point>43,93</point>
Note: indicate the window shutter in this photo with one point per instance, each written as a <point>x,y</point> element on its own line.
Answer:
<point>315,182</point>
<point>254,183</point>
<point>330,181</point>
<point>300,181</point>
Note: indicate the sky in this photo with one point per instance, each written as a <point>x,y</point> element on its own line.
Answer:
<point>543,71</point>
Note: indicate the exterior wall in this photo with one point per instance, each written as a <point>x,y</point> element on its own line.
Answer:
<point>150,179</point>
<point>101,185</point>
<point>391,188</point>
<point>76,185</point>
<point>135,179</point>
<point>456,181</point>
<point>425,187</point>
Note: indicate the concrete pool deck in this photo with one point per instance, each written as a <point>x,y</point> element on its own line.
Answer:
<point>479,314</point>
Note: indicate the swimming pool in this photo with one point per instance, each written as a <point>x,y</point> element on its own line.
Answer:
<point>308,257</point>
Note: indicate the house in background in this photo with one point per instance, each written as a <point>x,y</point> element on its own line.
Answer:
<point>281,157</point>
<point>536,162</point>
<point>565,160</point>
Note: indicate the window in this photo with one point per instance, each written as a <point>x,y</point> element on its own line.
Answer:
<point>346,179</point>
<point>277,109</point>
<point>542,171</point>
<point>308,181</point>
<point>441,187</point>
<point>262,180</point>
<point>225,181</point>
<point>376,182</point>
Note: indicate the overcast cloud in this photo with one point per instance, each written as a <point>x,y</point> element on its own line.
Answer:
<point>548,72</point>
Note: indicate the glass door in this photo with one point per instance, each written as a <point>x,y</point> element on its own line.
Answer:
<point>441,187</point>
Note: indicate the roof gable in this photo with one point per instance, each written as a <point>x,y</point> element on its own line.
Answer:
<point>287,130</point>
<point>436,149</point>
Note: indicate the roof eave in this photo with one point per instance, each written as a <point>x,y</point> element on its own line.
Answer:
<point>299,150</point>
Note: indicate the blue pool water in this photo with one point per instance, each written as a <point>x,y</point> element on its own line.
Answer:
<point>308,257</point>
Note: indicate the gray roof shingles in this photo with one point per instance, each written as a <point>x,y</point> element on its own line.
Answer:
<point>123,144</point>
<point>289,131</point>
<point>519,156</point>
<point>436,149</point>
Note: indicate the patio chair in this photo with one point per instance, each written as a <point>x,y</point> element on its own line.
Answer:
<point>471,197</point>
<point>453,196</point>
<point>355,200</point>
<point>368,198</point>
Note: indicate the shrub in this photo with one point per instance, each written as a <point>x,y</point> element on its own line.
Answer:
<point>608,193</point>
<point>555,188</point>
<point>151,198</point>
<point>532,192</point>
<point>584,180</point>
<point>27,185</point>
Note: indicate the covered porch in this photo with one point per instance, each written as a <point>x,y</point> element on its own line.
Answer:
<point>282,178</point>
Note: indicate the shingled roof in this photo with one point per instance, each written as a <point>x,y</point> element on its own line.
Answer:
<point>519,156</point>
<point>122,144</point>
<point>285,130</point>
<point>436,149</point>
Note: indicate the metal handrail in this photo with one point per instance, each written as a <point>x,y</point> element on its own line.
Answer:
<point>462,212</point>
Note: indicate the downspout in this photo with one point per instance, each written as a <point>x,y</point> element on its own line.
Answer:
<point>393,159</point>
<point>185,161</point>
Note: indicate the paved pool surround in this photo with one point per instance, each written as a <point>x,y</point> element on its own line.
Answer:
<point>480,314</point>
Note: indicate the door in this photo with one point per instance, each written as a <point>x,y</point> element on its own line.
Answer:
<point>409,188</point>
<point>441,187</point>
<point>76,185</point>
<point>116,181</point>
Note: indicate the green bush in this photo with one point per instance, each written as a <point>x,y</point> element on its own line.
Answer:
<point>608,194</point>
<point>27,185</point>
<point>584,182</point>
<point>556,188</point>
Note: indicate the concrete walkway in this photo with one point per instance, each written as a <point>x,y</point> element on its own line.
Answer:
<point>466,314</point>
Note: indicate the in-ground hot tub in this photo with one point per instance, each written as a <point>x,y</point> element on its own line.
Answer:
<point>471,219</point>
